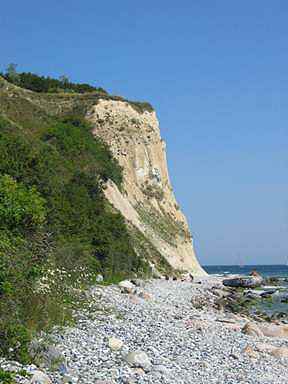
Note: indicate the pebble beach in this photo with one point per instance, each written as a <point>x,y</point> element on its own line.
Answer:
<point>164,332</point>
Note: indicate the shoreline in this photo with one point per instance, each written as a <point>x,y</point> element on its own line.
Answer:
<point>181,334</point>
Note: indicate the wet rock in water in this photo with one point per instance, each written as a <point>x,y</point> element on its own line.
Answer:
<point>115,344</point>
<point>138,359</point>
<point>279,316</point>
<point>252,281</point>
<point>284,297</point>
<point>126,286</point>
<point>267,293</point>
<point>251,295</point>
<point>254,273</point>
<point>272,280</point>
<point>40,377</point>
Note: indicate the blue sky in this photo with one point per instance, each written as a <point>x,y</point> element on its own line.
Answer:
<point>217,74</point>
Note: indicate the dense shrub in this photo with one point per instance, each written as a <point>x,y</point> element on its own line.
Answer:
<point>38,83</point>
<point>19,206</point>
<point>7,377</point>
<point>53,215</point>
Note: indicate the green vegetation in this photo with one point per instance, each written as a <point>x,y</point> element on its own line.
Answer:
<point>38,83</point>
<point>58,95</point>
<point>19,205</point>
<point>144,248</point>
<point>7,377</point>
<point>141,106</point>
<point>57,230</point>
<point>153,191</point>
<point>166,227</point>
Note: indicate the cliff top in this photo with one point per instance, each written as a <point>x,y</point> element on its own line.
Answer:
<point>74,94</point>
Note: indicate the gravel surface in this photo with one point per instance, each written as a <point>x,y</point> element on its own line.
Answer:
<point>166,339</point>
<point>184,344</point>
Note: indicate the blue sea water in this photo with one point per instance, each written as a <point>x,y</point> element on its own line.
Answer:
<point>281,271</point>
<point>264,270</point>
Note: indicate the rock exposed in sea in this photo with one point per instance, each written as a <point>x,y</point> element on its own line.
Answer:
<point>243,282</point>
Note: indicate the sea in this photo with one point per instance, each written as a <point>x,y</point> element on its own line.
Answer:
<point>276,305</point>
<point>276,270</point>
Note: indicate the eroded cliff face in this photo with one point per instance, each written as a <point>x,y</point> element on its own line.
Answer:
<point>131,129</point>
<point>147,200</point>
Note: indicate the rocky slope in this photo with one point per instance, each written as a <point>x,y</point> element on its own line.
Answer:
<point>147,200</point>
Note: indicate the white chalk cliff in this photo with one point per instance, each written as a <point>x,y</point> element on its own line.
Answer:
<point>147,200</point>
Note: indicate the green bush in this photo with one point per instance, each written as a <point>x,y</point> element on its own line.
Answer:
<point>57,230</point>
<point>6,377</point>
<point>38,83</point>
<point>20,206</point>
<point>14,342</point>
<point>54,217</point>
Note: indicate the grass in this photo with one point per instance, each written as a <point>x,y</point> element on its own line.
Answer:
<point>145,249</point>
<point>163,225</point>
<point>7,377</point>
<point>57,104</point>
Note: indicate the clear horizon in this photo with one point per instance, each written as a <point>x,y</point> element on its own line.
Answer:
<point>235,265</point>
<point>216,74</point>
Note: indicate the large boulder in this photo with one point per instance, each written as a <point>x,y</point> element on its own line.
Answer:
<point>40,377</point>
<point>243,282</point>
<point>281,296</point>
<point>99,278</point>
<point>278,352</point>
<point>138,282</point>
<point>273,330</point>
<point>115,344</point>
<point>268,330</point>
<point>252,329</point>
<point>126,286</point>
<point>138,359</point>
